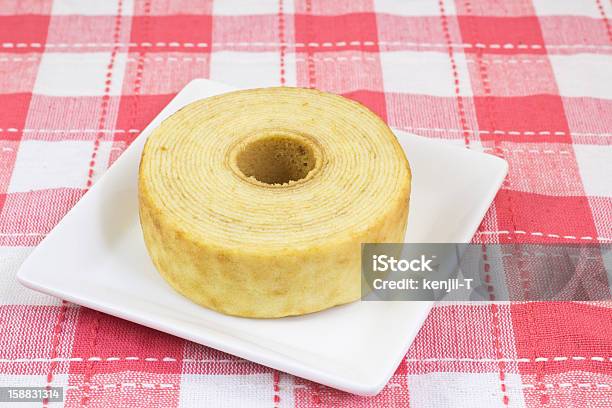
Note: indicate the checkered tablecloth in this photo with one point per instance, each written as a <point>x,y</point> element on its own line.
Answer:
<point>527,80</point>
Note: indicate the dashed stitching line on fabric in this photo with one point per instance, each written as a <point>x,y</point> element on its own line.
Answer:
<point>450,130</point>
<point>509,360</point>
<point>487,279</point>
<point>302,386</point>
<point>507,132</point>
<point>604,18</point>
<point>106,97</point>
<point>411,360</point>
<point>174,44</point>
<point>496,327</point>
<point>318,59</point>
<point>310,66</point>
<point>567,385</point>
<point>414,360</point>
<point>541,234</point>
<point>546,255</point>
<point>298,386</point>
<point>128,358</point>
<point>121,385</point>
<point>276,385</point>
<point>562,152</point>
<point>90,366</point>
<point>140,63</point>
<point>518,232</point>
<point>57,332</point>
<point>146,385</point>
<point>503,149</point>
<point>547,385</point>
<point>456,84</point>
<point>87,375</point>
<point>495,310</point>
<point>15,130</point>
<point>281,37</point>
<point>508,61</point>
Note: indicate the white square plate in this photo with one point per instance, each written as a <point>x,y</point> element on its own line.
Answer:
<point>96,257</point>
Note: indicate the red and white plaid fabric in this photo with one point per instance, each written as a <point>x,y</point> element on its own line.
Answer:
<point>527,80</point>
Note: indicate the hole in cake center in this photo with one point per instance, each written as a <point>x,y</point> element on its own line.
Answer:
<point>276,159</point>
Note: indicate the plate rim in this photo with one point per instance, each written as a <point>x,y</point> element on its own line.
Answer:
<point>274,360</point>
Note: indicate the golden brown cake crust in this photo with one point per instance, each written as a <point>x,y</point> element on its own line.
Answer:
<point>223,234</point>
